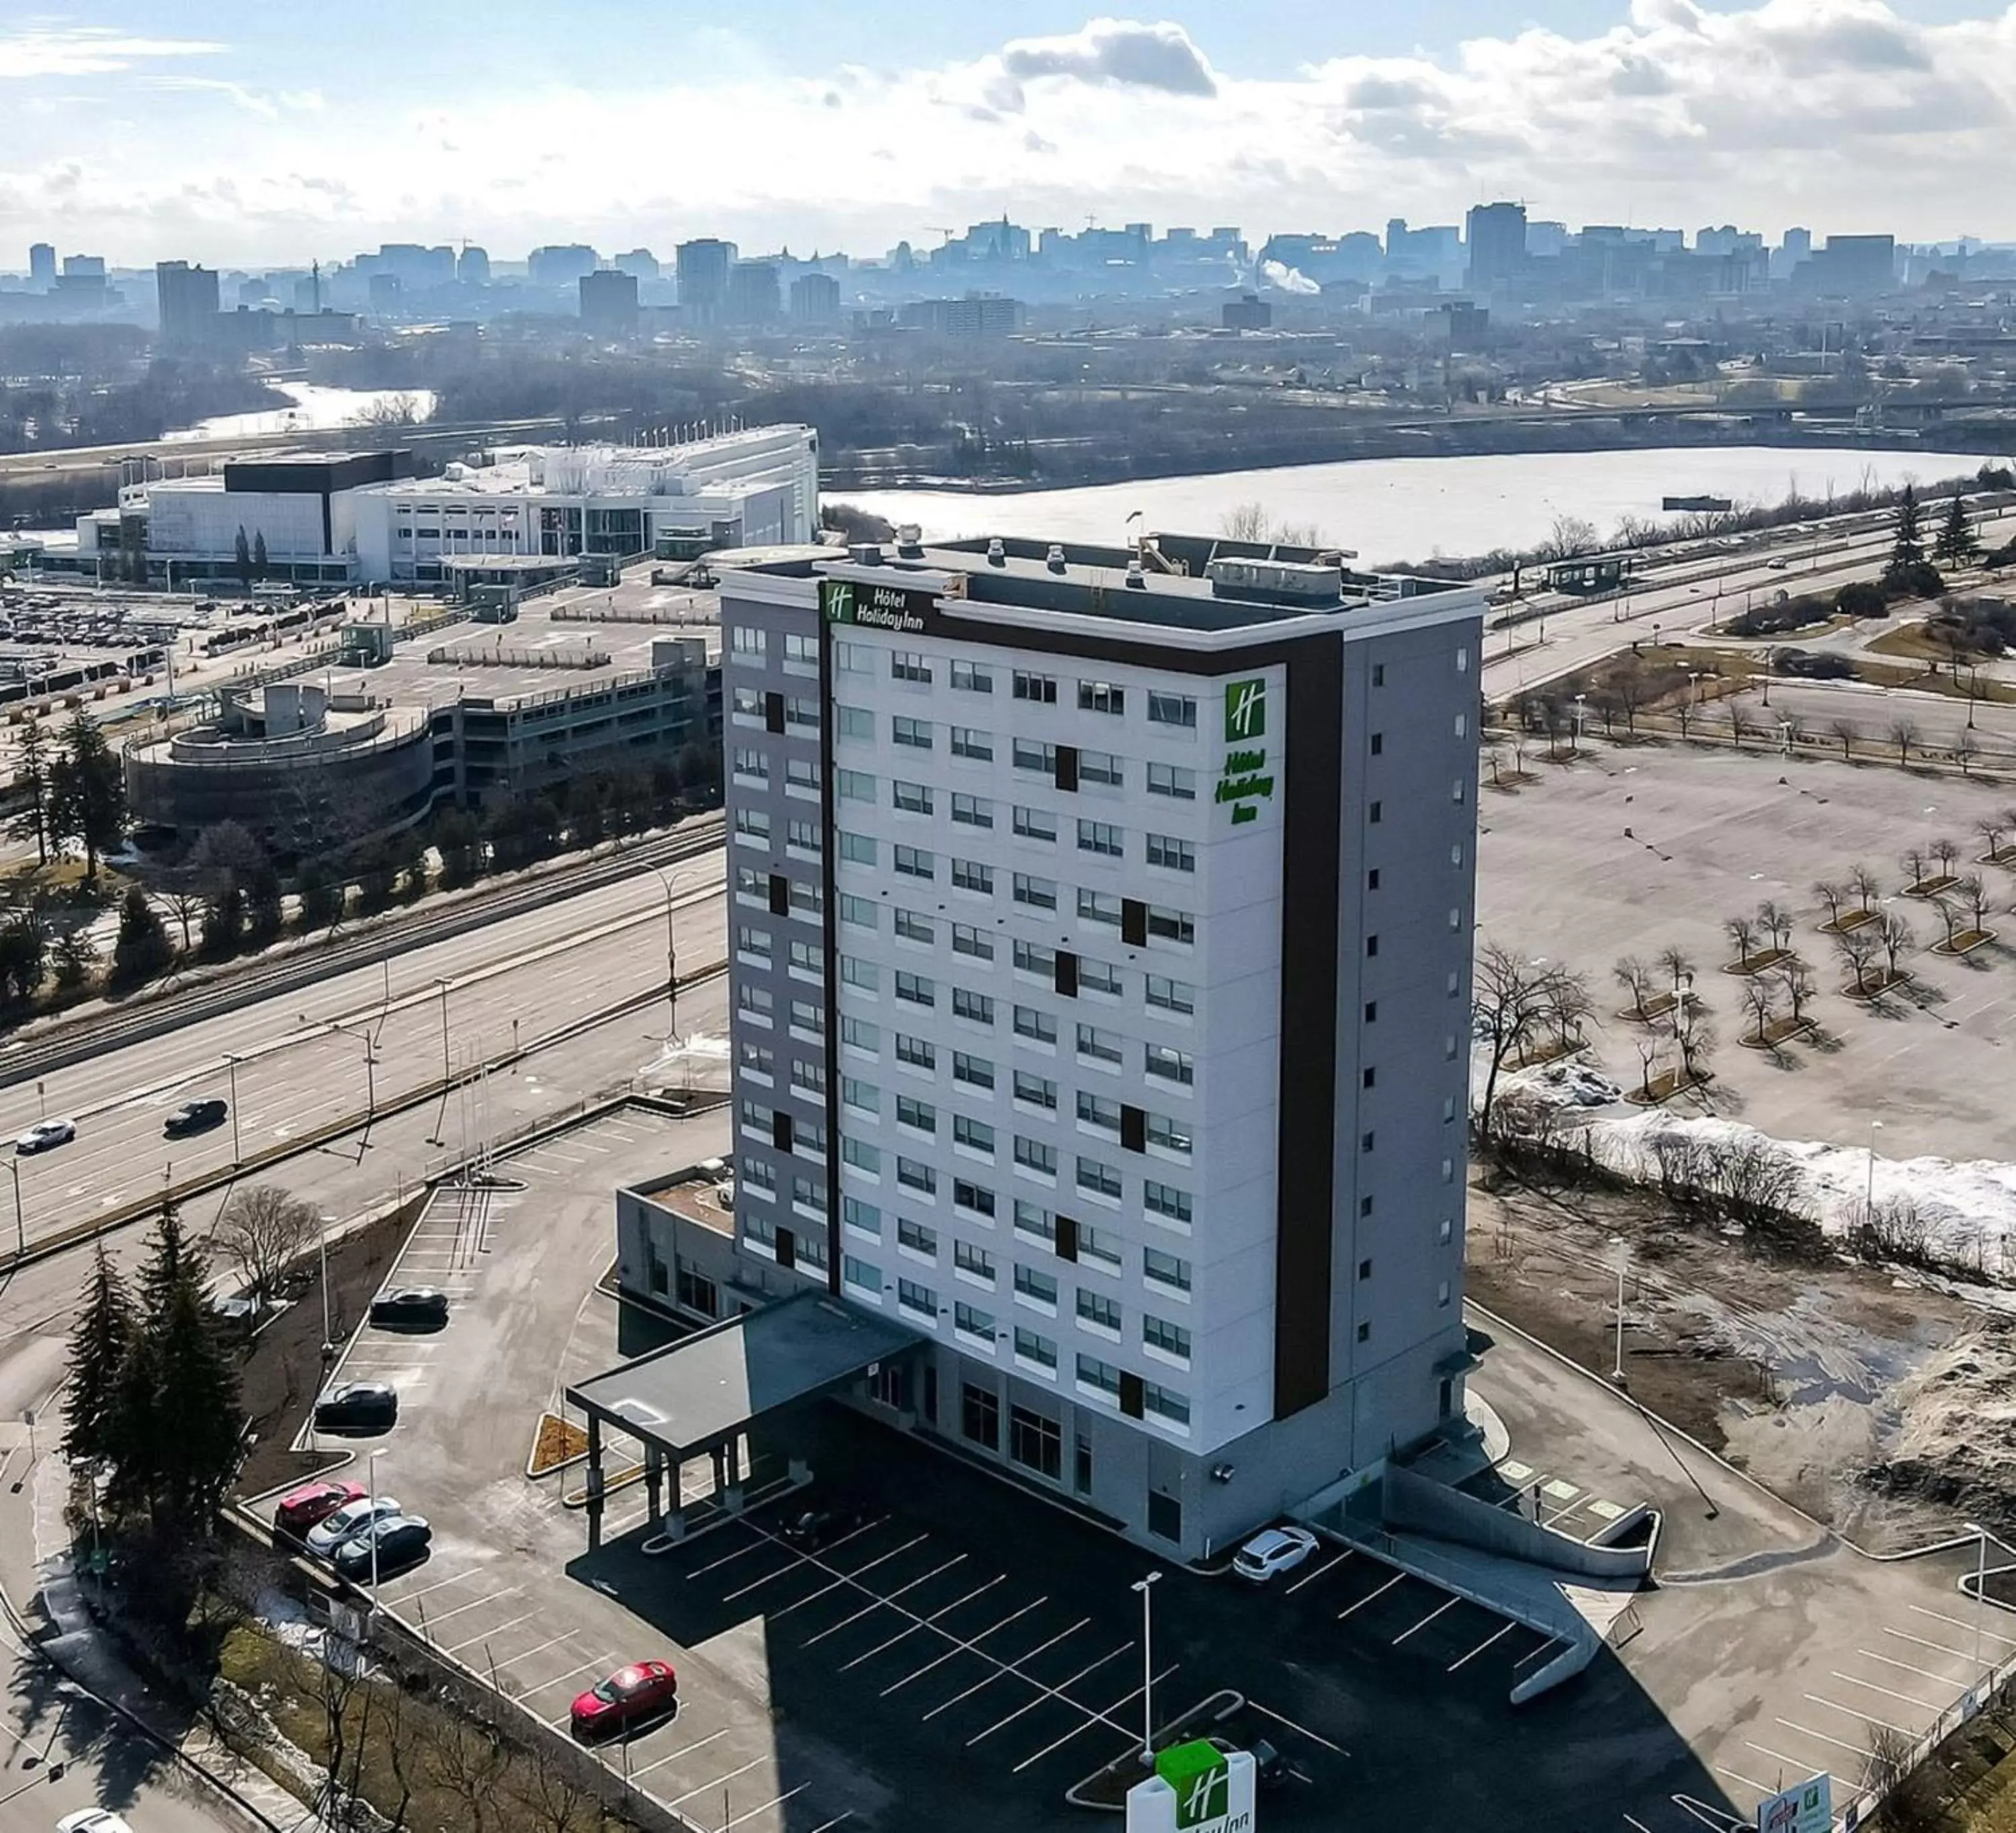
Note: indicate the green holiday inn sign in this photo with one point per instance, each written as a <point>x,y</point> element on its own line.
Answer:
<point>1244,780</point>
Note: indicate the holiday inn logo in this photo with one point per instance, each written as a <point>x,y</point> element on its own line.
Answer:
<point>1245,712</point>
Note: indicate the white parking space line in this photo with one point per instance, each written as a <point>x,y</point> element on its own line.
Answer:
<point>1777,1756</point>
<point>1937,1647</point>
<point>673,1756</point>
<point>488,1597</point>
<point>1849,1712</point>
<point>1497,1635</point>
<point>550,1642</point>
<point>868,1609</point>
<point>837,1820</point>
<point>892,1642</point>
<point>1888,1692</point>
<point>1535,1655</point>
<point>939,1660</point>
<point>1855,1750</point>
<point>1002,1669</point>
<point>601,1661</point>
<point>1922,1673</point>
<point>1327,1566</point>
<point>764,1807</point>
<point>1762,1789</point>
<point>844,1578</point>
<point>1963,1623</point>
<point>484,1635</point>
<point>1425,1620</point>
<point>1279,1719</point>
<point>1103,1717</point>
<point>440,1585</point>
<point>1398,1578</point>
<point>1047,1693</point>
<point>777,1572</point>
<point>716,1781</point>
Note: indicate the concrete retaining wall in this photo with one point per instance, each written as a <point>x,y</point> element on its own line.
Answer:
<point>1414,1504</point>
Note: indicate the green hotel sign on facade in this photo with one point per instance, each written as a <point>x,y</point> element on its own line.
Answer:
<point>1244,780</point>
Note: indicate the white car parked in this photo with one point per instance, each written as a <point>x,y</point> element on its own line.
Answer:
<point>1273,1550</point>
<point>348,1521</point>
<point>92,1819</point>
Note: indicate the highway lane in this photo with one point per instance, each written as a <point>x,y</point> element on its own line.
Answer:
<point>1578,634</point>
<point>301,1056</point>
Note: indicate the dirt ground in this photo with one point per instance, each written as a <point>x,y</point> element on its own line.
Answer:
<point>1800,1373</point>
<point>281,1373</point>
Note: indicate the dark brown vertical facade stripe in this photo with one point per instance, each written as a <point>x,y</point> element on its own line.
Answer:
<point>1311,814</point>
<point>829,933</point>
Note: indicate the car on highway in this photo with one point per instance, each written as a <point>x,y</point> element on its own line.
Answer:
<point>395,1545</point>
<point>196,1116</point>
<point>45,1133</point>
<point>819,1527</point>
<point>92,1819</point>
<point>358,1409</point>
<point>411,1308</point>
<point>1272,1552</point>
<point>311,1505</point>
<point>630,1697</point>
<point>348,1521</point>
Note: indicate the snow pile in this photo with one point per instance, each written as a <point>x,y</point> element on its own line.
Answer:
<point>1967,1209</point>
<point>1958,1444</point>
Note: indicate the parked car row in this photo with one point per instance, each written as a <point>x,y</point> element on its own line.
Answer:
<point>362,1536</point>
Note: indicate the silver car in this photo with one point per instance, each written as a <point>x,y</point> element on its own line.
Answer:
<point>348,1521</point>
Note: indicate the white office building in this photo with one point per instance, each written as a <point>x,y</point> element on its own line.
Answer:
<point>1100,955</point>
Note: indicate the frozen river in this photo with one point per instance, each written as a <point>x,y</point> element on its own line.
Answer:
<point>1393,510</point>
<point>316,408</point>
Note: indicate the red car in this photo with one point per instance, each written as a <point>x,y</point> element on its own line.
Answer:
<point>302,1509</point>
<point>643,1691</point>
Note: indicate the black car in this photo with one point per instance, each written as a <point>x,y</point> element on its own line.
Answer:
<point>360,1409</point>
<point>819,1527</point>
<point>196,1116</point>
<point>402,1541</point>
<point>411,1308</point>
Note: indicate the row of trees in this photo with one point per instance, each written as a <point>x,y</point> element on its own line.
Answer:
<point>71,789</point>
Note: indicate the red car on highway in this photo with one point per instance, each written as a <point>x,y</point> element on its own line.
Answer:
<point>302,1509</point>
<point>645,1689</point>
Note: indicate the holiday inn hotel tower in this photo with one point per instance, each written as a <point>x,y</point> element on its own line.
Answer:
<point>1099,937</point>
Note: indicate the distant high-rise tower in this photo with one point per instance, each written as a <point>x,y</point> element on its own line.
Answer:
<point>753,293</point>
<point>187,301</point>
<point>472,266</point>
<point>608,303</point>
<point>42,266</point>
<point>815,300</point>
<point>1496,234</point>
<point>703,267</point>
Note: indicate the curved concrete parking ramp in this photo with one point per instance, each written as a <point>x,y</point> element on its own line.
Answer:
<point>1573,1591</point>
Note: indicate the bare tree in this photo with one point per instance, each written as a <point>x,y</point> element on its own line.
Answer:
<point>1695,1036</point>
<point>1760,996</point>
<point>1966,748</point>
<point>262,1232</point>
<point>187,898</point>
<point>1635,976</point>
<point>1950,911</point>
<point>1833,896</point>
<point>1917,862</point>
<point>1864,885</point>
<point>1991,828</point>
<point>1777,920</point>
<point>1844,730</point>
<point>1738,716</point>
<point>1945,852</point>
<point>1972,891</point>
<point>1649,1047</point>
<point>1494,753</point>
<point>1904,734</point>
<point>1895,936</point>
<point>1857,948</point>
<point>1679,967</point>
<point>555,1800</point>
<point>1683,711</point>
<point>469,1761</point>
<point>1516,999</point>
<point>1572,1004</point>
<point>1798,982</point>
<point>1742,931</point>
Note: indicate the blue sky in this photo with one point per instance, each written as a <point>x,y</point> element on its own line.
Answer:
<point>232,132</point>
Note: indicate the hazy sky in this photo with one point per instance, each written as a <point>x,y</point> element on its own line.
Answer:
<point>230,131</point>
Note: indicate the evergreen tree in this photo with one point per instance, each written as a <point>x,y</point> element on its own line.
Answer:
<point>31,779</point>
<point>198,1421</point>
<point>100,1342</point>
<point>1907,544</point>
<point>75,955</point>
<point>87,790</point>
<point>224,922</point>
<point>1955,543</point>
<point>264,908</point>
<point>142,948</point>
<point>241,549</point>
<point>24,954</point>
<point>260,566</point>
<point>321,898</point>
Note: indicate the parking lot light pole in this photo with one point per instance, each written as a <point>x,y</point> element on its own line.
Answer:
<point>20,1227</point>
<point>666,877</point>
<point>321,1253</point>
<point>445,1071</point>
<point>1622,1254</point>
<point>1145,1587</point>
<point>377,1453</point>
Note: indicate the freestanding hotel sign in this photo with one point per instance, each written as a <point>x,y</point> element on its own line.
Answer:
<point>1196,1788</point>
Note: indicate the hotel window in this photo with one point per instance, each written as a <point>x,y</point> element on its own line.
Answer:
<point>916,733</point>
<point>916,1052</point>
<point>976,1006</point>
<point>1173,709</point>
<point>1166,1269</point>
<point>1030,958</point>
<point>1041,893</point>
<point>967,940</point>
<point>857,849</point>
<point>1040,689</point>
<point>920,1115</point>
<point>1038,1091</point>
<point>863,1218</point>
<point>1159,1334</point>
<point>1099,1178</point>
<point>1039,1026</point>
<point>976,1135</point>
<point>921,1299</point>
<point>1093,1373</point>
<point>1031,1284</point>
<point>916,988</point>
<point>750,642</point>
<point>860,1275</point>
<point>911,927</point>
<point>975,1260</point>
<point>967,743</point>
<point>1034,1155</point>
<point>1096,1309</point>
<point>1166,1201</point>
<point>1172,855</point>
<point>1092,1111</point>
<point>1102,767</point>
<point>1028,755</point>
<point>972,810</point>
<point>805,835</point>
<point>802,713</point>
<point>971,875</point>
<point>1173,780</point>
<point>1033,1223</point>
<point>972,678</point>
<point>1170,1065</point>
<point>1030,1347</point>
<point>854,786</point>
<point>858,912</point>
<point>913,798</point>
<point>1100,837</point>
<point>1166,1403</point>
<point>1098,976</point>
<point>1175,926</point>
<point>1172,996</point>
<point>848,658</point>
<point>971,1323</point>
<point>1102,1047</point>
<point>916,862</point>
<point>1101,696</point>
<point>753,824</point>
<point>1035,824</point>
<point>855,723</point>
<point>975,1072</point>
<point>857,1034</point>
<point>1171,1134</point>
<point>909,664</point>
<point>750,762</point>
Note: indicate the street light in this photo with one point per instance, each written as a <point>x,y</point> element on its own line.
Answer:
<point>666,878</point>
<point>1869,1189</point>
<point>321,1254</point>
<point>1144,1587</point>
<point>20,1227</point>
<point>231,1067</point>
<point>1581,702</point>
<point>443,984</point>
<point>1622,1254</point>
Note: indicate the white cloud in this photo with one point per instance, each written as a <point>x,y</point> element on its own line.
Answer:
<point>80,51</point>
<point>1837,112</point>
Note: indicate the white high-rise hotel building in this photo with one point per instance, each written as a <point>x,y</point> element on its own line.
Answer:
<point>1101,962</point>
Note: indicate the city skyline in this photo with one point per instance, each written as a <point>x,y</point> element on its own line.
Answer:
<point>131,133</point>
